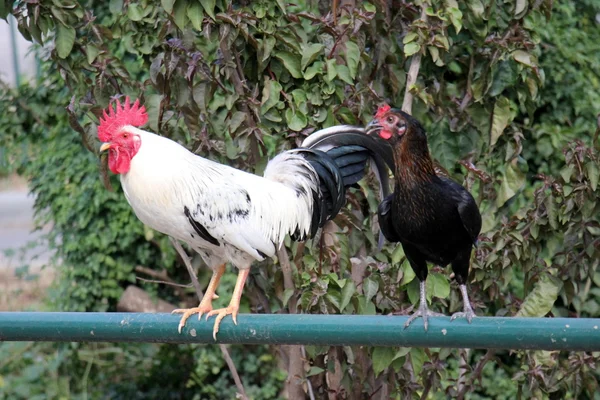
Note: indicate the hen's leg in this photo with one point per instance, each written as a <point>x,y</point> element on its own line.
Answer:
<point>460,266</point>
<point>423,311</point>
<point>234,304</point>
<point>205,305</point>
<point>467,309</point>
<point>419,266</point>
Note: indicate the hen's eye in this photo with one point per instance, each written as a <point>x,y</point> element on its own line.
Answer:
<point>125,135</point>
<point>390,120</point>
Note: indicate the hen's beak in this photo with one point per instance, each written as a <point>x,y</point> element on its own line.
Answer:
<point>105,146</point>
<point>373,127</point>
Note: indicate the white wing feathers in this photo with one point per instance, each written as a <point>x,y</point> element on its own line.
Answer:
<point>224,213</point>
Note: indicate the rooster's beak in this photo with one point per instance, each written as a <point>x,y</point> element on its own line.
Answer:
<point>105,146</point>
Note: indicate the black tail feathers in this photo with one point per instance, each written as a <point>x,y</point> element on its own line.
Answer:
<point>340,155</point>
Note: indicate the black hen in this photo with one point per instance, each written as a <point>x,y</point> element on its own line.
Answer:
<point>434,218</point>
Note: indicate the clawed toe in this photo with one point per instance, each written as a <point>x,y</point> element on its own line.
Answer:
<point>469,315</point>
<point>188,312</point>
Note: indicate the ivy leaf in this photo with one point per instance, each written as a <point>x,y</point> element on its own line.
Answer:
<point>513,180</point>
<point>540,300</point>
<point>313,70</point>
<point>236,120</point>
<point>5,7</point>
<point>592,173</point>
<point>296,120</point>
<point>331,69</point>
<point>417,357</point>
<point>180,14</point>
<point>502,116</point>
<point>411,48</point>
<point>382,358</point>
<point>91,53</point>
<point>65,39</point>
<point>310,53</point>
<point>291,62</point>
<point>344,73</point>
<point>270,95</point>
<point>209,7</point>
<point>352,58</point>
<point>370,288</point>
<point>167,5</point>
<point>196,14</point>
<point>347,291</point>
<point>525,58</point>
<point>134,13</point>
<point>438,285</point>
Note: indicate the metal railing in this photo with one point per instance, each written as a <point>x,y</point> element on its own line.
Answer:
<point>484,332</point>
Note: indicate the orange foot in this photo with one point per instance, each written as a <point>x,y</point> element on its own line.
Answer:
<point>222,313</point>
<point>204,307</point>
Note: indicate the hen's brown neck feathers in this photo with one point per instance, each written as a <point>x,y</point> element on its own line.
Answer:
<point>413,162</point>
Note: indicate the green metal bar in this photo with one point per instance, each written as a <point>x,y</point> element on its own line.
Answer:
<point>485,332</point>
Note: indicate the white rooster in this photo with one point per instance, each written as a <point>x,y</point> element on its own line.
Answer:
<point>225,214</point>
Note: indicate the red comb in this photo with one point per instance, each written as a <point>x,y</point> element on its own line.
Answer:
<point>382,110</point>
<point>125,115</point>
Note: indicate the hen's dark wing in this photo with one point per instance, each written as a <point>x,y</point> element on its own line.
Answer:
<point>384,212</point>
<point>467,208</point>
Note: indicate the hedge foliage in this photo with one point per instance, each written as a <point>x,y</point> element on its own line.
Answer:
<point>508,91</point>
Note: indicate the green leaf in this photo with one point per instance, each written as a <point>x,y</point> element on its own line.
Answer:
<point>331,69</point>
<point>370,288</point>
<point>296,120</point>
<point>270,95</point>
<point>65,38</point>
<point>540,300</point>
<point>167,5</point>
<point>592,174</point>
<point>412,290</point>
<point>134,13</point>
<point>310,53</point>
<point>196,14</point>
<point>513,180</point>
<point>352,58</point>
<point>438,285</point>
<point>313,70</point>
<point>347,291</point>
<point>502,116</point>
<point>91,52</point>
<point>417,357</point>
<point>520,8</point>
<point>287,294</point>
<point>180,14</point>
<point>382,358</point>
<point>411,48</point>
<point>267,46</point>
<point>152,104</point>
<point>525,58</point>
<point>236,120</point>
<point>291,62</point>
<point>397,255</point>
<point>456,18</point>
<point>5,8</point>
<point>410,37</point>
<point>115,6</point>
<point>344,73</point>
<point>408,275</point>
<point>209,7</point>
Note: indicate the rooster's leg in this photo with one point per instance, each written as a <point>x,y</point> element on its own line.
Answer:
<point>423,310</point>
<point>234,304</point>
<point>467,309</point>
<point>206,302</point>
